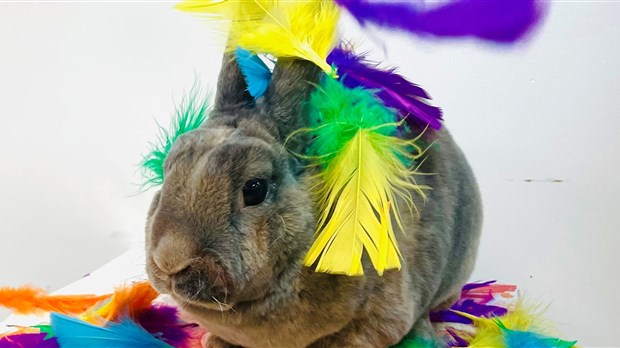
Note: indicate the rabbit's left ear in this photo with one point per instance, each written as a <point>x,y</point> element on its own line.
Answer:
<point>292,83</point>
<point>232,90</point>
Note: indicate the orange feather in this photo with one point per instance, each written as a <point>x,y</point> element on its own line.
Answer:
<point>126,301</point>
<point>31,300</point>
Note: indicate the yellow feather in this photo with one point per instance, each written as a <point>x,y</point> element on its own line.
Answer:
<point>292,29</point>
<point>304,30</point>
<point>235,10</point>
<point>358,201</point>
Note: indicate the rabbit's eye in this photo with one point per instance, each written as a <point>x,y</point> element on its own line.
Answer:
<point>255,192</point>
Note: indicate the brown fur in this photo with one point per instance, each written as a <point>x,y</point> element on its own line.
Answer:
<point>239,269</point>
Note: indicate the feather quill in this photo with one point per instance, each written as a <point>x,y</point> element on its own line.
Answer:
<point>75,333</point>
<point>190,115</point>
<point>494,21</point>
<point>256,73</point>
<point>411,101</point>
<point>365,170</point>
<point>304,30</point>
<point>30,300</point>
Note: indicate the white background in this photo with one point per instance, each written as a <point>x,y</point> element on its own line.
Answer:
<point>81,85</point>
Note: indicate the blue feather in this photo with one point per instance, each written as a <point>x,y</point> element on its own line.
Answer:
<point>257,74</point>
<point>75,333</point>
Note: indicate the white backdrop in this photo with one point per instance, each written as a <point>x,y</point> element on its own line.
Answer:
<point>81,85</point>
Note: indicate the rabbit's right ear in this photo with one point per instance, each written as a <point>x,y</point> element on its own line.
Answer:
<point>292,83</point>
<point>232,90</point>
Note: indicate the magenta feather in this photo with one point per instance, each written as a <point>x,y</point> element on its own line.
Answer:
<point>29,340</point>
<point>394,90</point>
<point>502,21</point>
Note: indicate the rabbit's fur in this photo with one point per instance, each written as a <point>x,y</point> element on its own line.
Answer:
<point>238,269</point>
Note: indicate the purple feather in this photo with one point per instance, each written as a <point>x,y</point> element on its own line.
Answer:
<point>457,340</point>
<point>394,90</point>
<point>163,322</point>
<point>467,306</point>
<point>502,21</point>
<point>472,286</point>
<point>30,340</point>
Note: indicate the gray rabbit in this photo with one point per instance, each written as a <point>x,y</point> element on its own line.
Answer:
<point>228,231</point>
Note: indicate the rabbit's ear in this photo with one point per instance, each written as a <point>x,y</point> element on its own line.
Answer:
<point>232,90</point>
<point>292,83</point>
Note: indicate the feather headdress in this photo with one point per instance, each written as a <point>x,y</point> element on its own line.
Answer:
<point>365,169</point>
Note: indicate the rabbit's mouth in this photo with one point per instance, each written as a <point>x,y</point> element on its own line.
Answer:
<point>204,283</point>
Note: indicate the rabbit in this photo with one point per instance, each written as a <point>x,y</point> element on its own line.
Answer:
<point>227,233</point>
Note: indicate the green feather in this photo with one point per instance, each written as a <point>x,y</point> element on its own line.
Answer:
<point>338,112</point>
<point>190,115</point>
<point>416,342</point>
<point>45,328</point>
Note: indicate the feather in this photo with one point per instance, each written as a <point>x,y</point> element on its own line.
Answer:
<point>28,340</point>
<point>163,322</point>
<point>357,198</point>
<point>304,30</point>
<point>395,91</point>
<point>495,21</point>
<point>75,333</point>
<point>126,301</point>
<point>466,306</point>
<point>474,300</point>
<point>235,10</point>
<point>491,331</point>
<point>518,339</point>
<point>190,115</point>
<point>30,300</point>
<point>416,342</point>
<point>257,74</point>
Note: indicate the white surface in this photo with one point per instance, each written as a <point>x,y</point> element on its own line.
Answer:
<point>122,270</point>
<point>80,85</point>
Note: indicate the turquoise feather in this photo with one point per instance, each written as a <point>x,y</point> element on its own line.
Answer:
<point>518,339</point>
<point>75,333</point>
<point>257,74</point>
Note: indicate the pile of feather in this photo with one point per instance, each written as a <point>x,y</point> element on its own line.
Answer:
<point>132,316</point>
<point>486,315</point>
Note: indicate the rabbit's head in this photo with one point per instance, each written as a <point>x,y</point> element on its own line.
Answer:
<point>234,217</point>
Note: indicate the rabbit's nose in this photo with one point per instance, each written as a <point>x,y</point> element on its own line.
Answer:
<point>173,253</point>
